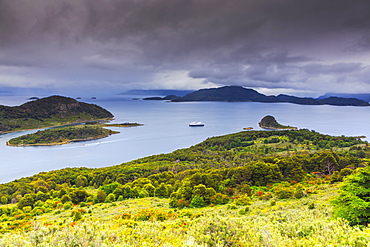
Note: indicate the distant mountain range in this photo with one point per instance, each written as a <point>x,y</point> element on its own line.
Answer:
<point>362,96</point>
<point>240,94</point>
<point>157,92</point>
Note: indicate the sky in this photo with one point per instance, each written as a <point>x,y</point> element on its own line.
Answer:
<point>297,47</point>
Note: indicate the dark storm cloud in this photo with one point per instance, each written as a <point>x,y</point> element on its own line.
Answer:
<point>265,43</point>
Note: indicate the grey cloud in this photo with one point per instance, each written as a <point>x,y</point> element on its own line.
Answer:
<point>266,43</point>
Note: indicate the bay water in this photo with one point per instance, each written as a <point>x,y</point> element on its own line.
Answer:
<point>166,128</point>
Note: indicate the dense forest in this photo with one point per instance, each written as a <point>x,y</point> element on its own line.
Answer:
<point>245,171</point>
<point>50,111</point>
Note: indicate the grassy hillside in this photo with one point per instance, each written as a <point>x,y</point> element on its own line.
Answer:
<point>50,111</point>
<point>253,188</point>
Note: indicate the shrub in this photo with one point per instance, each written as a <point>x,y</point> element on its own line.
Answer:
<point>197,202</point>
<point>65,198</point>
<point>243,200</point>
<point>110,198</point>
<point>77,214</point>
<point>67,205</point>
<point>220,199</point>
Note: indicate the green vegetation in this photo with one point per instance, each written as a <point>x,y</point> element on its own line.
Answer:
<point>122,125</point>
<point>353,202</point>
<point>253,188</point>
<point>50,111</point>
<point>269,122</point>
<point>59,136</point>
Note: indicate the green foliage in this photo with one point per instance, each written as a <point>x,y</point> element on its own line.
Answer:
<point>101,195</point>
<point>219,198</point>
<point>243,200</point>
<point>161,191</point>
<point>353,201</point>
<point>62,136</point>
<point>77,214</point>
<point>27,200</point>
<point>197,202</point>
<point>110,198</point>
<point>78,196</point>
<point>109,188</point>
<point>65,198</point>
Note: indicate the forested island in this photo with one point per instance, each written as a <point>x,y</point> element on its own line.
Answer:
<point>253,188</point>
<point>59,136</point>
<point>47,112</point>
<point>269,122</point>
<point>65,135</point>
<point>240,94</point>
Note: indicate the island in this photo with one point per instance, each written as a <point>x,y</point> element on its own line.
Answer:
<point>59,136</point>
<point>241,94</point>
<point>48,112</point>
<point>269,122</point>
<point>127,124</point>
<point>65,135</point>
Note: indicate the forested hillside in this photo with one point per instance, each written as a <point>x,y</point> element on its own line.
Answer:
<point>232,178</point>
<point>50,111</point>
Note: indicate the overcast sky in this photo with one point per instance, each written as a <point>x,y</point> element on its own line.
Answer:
<point>274,46</point>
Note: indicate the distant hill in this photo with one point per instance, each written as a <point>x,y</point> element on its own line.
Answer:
<point>240,94</point>
<point>362,96</point>
<point>50,111</point>
<point>159,92</point>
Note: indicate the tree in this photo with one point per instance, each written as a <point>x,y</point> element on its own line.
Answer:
<point>78,196</point>
<point>100,196</point>
<point>27,200</point>
<point>161,191</point>
<point>353,201</point>
<point>81,181</point>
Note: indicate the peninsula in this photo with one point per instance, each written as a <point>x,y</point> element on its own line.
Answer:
<point>47,112</point>
<point>240,94</point>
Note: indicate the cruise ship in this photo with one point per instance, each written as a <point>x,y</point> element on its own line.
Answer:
<point>196,124</point>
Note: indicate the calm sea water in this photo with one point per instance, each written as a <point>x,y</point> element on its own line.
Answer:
<point>166,129</point>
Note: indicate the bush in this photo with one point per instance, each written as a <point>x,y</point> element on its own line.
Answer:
<point>110,198</point>
<point>243,200</point>
<point>197,202</point>
<point>220,199</point>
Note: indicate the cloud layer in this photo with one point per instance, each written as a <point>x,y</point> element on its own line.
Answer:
<point>311,46</point>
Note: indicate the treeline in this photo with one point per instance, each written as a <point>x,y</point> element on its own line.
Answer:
<point>212,172</point>
<point>61,135</point>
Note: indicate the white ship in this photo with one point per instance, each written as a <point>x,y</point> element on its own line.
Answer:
<point>196,124</point>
